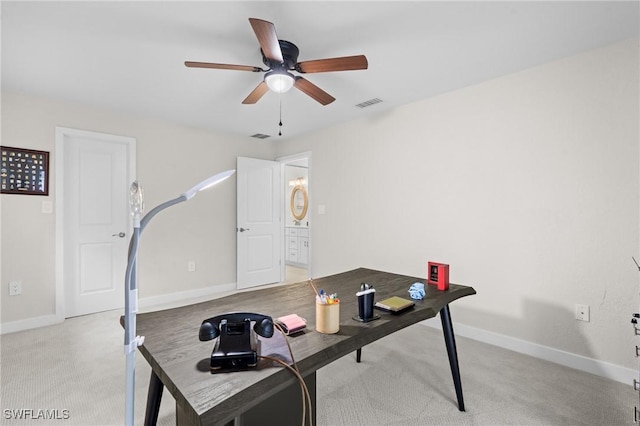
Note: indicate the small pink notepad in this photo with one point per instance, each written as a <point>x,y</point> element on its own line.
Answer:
<point>292,323</point>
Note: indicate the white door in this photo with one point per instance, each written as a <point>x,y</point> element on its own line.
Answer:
<point>96,227</point>
<point>259,225</point>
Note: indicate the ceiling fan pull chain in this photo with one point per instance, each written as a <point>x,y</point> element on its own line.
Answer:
<point>280,124</point>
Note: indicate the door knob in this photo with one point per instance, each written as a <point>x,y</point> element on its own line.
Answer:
<point>243,229</point>
<point>120,234</point>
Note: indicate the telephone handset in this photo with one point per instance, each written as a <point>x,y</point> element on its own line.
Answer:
<point>210,328</point>
<point>236,347</point>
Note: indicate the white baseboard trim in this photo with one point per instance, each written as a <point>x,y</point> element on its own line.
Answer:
<point>28,324</point>
<point>161,301</point>
<point>579,362</point>
<point>182,297</point>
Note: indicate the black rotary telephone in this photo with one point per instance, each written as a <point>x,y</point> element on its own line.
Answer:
<point>236,347</point>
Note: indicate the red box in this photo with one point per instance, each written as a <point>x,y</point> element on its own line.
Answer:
<point>438,275</point>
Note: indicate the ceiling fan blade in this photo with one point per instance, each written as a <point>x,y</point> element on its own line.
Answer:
<point>345,63</point>
<point>266,33</point>
<point>256,94</point>
<point>314,91</point>
<point>192,64</point>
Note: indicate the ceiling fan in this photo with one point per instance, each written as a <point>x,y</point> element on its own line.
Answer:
<point>281,57</point>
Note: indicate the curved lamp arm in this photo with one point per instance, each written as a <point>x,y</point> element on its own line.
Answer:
<point>137,210</point>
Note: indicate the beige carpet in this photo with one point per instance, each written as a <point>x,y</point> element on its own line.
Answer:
<point>404,379</point>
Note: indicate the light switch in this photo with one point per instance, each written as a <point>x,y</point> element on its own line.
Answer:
<point>47,207</point>
<point>322,209</point>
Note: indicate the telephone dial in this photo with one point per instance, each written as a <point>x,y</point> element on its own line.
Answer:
<point>236,346</point>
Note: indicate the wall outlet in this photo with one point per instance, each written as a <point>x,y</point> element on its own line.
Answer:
<point>15,288</point>
<point>582,313</point>
<point>191,266</point>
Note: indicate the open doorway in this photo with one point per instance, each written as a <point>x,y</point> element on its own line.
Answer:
<point>297,217</point>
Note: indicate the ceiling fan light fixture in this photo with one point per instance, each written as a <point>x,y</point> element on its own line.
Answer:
<point>279,81</point>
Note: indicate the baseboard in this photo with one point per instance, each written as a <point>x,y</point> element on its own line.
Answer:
<point>153,302</point>
<point>184,297</point>
<point>568,359</point>
<point>28,324</point>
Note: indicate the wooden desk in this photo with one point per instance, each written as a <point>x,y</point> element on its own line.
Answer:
<point>179,361</point>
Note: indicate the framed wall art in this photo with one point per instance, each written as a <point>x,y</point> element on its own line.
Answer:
<point>24,171</point>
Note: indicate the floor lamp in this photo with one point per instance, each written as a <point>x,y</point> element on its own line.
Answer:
<point>131,341</point>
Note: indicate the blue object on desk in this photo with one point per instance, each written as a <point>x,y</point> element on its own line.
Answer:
<point>416,291</point>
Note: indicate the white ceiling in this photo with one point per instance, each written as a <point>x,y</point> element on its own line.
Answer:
<point>129,56</point>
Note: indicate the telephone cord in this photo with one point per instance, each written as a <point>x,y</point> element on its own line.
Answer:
<point>296,371</point>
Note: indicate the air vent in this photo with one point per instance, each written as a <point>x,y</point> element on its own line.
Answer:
<point>369,103</point>
<point>260,136</point>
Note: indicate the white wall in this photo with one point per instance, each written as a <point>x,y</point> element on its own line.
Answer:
<point>170,159</point>
<point>527,185</point>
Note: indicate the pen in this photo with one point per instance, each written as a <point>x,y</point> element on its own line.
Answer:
<point>315,290</point>
<point>327,299</point>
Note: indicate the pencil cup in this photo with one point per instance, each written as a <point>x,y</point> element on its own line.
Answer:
<point>327,317</point>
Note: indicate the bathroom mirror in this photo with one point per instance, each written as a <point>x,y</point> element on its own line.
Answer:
<point>299,202</point>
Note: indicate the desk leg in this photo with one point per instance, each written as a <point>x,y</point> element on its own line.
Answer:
<point>154,397</point>
<point>358,355</point>
<point>450,341</point>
